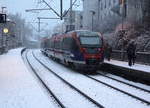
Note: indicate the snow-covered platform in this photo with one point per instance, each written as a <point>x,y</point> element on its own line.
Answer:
<point>139,67</point>
<point>138,72</point>
<point>18,86</point>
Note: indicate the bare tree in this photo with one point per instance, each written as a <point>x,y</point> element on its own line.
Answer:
<point>22,31</point>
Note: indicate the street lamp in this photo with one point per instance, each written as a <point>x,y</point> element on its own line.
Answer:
<point>99,12</point>
<point>93,13</point>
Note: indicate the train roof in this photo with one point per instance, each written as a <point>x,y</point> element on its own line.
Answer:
<point>79,32</point>
<point>85,32</point>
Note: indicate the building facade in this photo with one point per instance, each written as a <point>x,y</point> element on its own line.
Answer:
<point>76,21</point>
<point>105,15</point>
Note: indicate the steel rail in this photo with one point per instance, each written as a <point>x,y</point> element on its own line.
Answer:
<point>44,84</point>
<point>70,85</point>
<point>124,82</point>
<point>124,92</point>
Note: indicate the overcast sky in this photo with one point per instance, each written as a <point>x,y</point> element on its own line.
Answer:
<point>19,6</point>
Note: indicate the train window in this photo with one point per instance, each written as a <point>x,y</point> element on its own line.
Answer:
<point>69,44</point>
<point>51,44</point>
<point>66,42</point>
<point>90,40</point>
<point>74,45</point>
<point>46,43</point>
<point>57,44</point>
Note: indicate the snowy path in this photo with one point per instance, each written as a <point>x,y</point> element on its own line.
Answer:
<point>18,87</point>
<point>99,92</point>
<point>69,97</point>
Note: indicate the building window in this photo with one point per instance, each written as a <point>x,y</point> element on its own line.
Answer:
<point>101,6</point>
<point>122,2</point>
<point>109,2</point>
<point>114,1</point>
<point>109,13</point>
<point>102,17</point>
<point>81,17</point>
<point>105,4</point>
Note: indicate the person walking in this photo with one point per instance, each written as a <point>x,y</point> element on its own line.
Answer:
<point>108,52</point>
<point>131,52</point>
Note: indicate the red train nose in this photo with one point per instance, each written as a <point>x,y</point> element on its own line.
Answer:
<point>92,56</point>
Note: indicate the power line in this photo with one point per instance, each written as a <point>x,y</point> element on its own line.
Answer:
<point>47,18</point>
<point>32,10</point>
<point>51,8</point>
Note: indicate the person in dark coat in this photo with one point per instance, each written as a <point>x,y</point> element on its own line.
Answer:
<point>108,52</point>
<point>131,53</point>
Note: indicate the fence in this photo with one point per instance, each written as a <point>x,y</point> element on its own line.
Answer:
<point>141,57</point>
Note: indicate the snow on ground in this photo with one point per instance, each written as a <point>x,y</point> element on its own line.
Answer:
<point>144,68</point>
<point>18,87</point>
<point>69,97</point>
<point>127,81</point>
<point>129,89</point>
<point>104,95</point>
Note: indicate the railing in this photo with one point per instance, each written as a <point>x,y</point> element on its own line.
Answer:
<point>141,57</point>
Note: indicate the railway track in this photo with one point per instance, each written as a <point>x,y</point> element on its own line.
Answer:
<point>70,85</point>
<point>52,95</point>
<point>83,93</point>
<point>115,88</point>
<point>123,82</point>
<point>124,92</point>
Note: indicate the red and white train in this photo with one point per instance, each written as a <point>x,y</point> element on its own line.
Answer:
<point>79,49</point>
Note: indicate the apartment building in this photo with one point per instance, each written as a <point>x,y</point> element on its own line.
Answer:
<point>105,15</point>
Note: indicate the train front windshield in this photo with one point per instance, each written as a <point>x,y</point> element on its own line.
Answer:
<point>88,41</point>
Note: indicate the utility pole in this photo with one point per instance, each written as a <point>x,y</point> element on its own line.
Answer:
<point>99,13</point>
<point>59,15</point>
<point>69,8</point>
<point>39,22</point>
<point>70,15</point>
<point>2,46</point>
<point>122,15</point>
<point>39,25</point>
<point>61,9</point>
<point>123,3</point>
<point>93,13</point>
